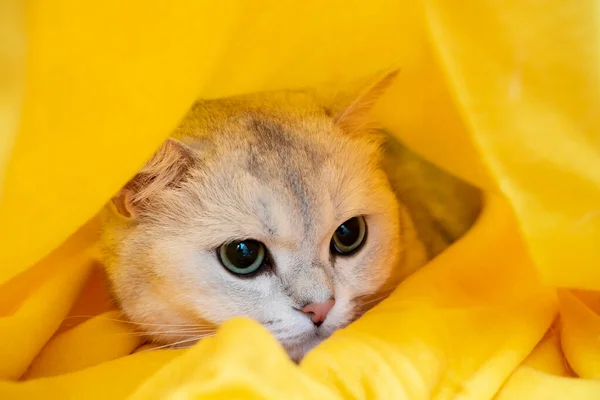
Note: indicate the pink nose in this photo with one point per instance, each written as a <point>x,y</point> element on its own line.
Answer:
<point>318,311</point>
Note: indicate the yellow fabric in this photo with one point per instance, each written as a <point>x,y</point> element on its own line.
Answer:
<point>504,94</point>
<point>12,75</point>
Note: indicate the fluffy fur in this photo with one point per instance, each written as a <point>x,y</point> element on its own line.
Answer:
<point>281,169</point>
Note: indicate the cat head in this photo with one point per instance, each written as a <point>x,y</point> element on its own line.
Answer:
<point>265,206</point>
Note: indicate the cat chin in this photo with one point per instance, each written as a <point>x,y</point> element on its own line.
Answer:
<point>297,350</point>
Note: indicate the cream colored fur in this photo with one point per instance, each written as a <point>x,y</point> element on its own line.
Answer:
<point>281,169</point>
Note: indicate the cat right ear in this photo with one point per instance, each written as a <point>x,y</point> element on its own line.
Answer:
<point>355,115</point>
<point>167,168</point>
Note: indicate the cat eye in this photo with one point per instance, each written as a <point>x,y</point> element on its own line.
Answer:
<point>242,257</point>
<point>349,236</point>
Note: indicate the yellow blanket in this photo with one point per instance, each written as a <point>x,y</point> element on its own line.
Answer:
<point>503,93</point>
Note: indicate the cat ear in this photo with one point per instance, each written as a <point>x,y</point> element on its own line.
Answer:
<point>166,168</point>
<point>355,116</point>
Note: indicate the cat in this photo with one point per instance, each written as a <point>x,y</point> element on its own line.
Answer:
<point>275,207</point>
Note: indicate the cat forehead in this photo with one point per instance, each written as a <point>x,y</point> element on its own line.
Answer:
<point>286,177</point>
<point>277,144</point>
<point>278,132</point>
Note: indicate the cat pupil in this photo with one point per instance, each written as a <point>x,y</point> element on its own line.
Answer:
<point>348,232</point>
<point>243,254</point>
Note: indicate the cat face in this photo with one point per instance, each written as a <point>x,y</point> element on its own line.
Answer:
<point>276,214</point>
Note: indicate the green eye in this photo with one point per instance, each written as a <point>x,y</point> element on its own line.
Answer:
<point>349,236</point>
<point>242,257</point>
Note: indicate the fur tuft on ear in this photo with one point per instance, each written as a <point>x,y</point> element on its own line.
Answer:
<point>355,116</point>
<point>166,168</point>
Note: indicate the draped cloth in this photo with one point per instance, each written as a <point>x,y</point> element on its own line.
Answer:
<point>503,94</point>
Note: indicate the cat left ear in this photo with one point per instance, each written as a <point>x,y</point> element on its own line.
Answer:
<point>167,167</point>
<point>355,116</point>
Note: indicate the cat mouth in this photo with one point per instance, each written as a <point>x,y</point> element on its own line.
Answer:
<point>322,333</point>
<point>300,345</point>
<point>298,339</point>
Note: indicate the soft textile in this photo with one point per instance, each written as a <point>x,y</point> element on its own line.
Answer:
<point>504,94</point>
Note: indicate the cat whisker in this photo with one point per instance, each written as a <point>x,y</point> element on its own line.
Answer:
<point>377,295</point>
<point>369,302</point>
<point>131,322</point>
<point>172,345</point>
<point>366,306</point>
<point>170,333</point>
<point>381,296</point>
<point>373,301</point>
<point>359,211</point>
